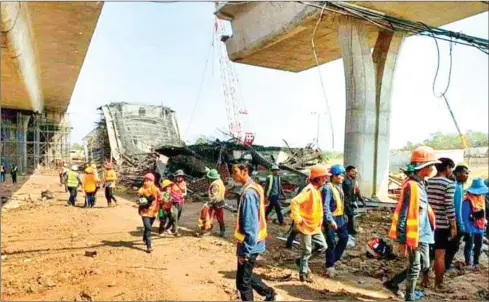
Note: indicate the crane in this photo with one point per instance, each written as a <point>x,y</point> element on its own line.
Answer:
<point>229,84</point>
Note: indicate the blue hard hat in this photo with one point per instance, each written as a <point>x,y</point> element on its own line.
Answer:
<point>337,169</point>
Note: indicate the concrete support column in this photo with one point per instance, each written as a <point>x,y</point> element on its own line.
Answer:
<point>37,143</point>
<point>21,137</point>
<point>368,94</point>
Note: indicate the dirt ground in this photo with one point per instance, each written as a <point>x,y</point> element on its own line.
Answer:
<point>44,244</point>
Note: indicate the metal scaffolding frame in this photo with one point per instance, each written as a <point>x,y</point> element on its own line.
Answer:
<point>32,140</point>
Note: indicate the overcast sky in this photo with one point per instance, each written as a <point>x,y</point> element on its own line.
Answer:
<point>154,53</point>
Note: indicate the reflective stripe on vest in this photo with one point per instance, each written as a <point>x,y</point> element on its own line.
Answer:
<point>262,223</point>
<point>271,180</point>
<point>72,179</point>
<point>339,201</point>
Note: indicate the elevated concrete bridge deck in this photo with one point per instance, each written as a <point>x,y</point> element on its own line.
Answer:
<point>44,45</point>
<point>278,35</point>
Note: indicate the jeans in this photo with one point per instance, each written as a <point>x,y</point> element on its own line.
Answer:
<point>109,195</point>
<point>275,204</point>
<point>73,192</point>
<point>2,176</point>
<point>350,213</point>
<point>14,178</point>
<point>89,200</point>
<point>147,223</point>
<point>246,281</point>
<point>335,249</point>
<point>452,249</point>
<point>473,247</point>
<point>293,233</point>
<point>419,260</point>
<point>307,249</point>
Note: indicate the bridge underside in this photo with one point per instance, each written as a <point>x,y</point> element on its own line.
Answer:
<point>44,45</point>
<point>278,35</point>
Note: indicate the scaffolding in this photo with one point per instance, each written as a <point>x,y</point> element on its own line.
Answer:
<point>32,141</point>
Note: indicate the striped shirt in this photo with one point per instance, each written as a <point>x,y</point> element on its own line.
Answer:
<point>441,191</point>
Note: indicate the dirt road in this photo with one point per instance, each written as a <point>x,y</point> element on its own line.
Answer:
<point>44,245</point>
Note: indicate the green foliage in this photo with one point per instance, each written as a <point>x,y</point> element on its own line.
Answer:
<point>449,141</point>
<point>202,140</point>
<point>76,146</point>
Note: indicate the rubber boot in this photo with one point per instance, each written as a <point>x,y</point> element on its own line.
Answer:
<point>222,230</point>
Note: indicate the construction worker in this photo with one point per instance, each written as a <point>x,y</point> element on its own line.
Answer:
<point>166,204</point>
<point>62,176</point>
<point>307,212</point>
<point>474,217</point>
<point>90,187</point>
<point>3,172</point>
<point>335,222</point>
<point>148,196</point>
<point>179,189</point>
<point>250,233</point>
<point>72,181</point>
<point>461,174</point>
<point>13,172</point>
<point>441,191</point>
<point>274,191</point>
<point>352,194</point>
<point>214,207</point>
<point>95,172</point>
<point>413,221</point>
<point>110,178</point>
<point>293,231</point>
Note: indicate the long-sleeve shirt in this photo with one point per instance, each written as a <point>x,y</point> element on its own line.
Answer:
<point>441,191</point>
<point>426,230</point>
<point>306,210</point>
<point>330,202</point>
<point>249,224</point>
<point>458,198</point>
<point>469,226</point>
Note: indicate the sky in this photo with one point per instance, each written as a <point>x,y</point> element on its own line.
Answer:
<point>156,53</point>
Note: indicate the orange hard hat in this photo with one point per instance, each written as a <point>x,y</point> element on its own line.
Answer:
<point>319,171</point>
<point>423,154</point>
<point>149,177</point>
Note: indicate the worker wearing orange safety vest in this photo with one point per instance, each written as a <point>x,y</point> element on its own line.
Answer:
<point>413,222</point>
<point>214,207</point>
<point>110,177</point>
<point>148,200</point>
<point>250,233</point>
<point>90,187</point>
<point>178,193</point>
<point>307,211</point>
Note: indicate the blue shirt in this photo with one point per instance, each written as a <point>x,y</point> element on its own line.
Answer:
<point>275,186</point>
<point>328,203</point>
<point>426,233</point>
<point>249,223</point>
<point>457,203</point>
<point>470,228</point>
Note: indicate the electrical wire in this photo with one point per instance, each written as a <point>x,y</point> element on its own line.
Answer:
<point>201,85</point>
<point>321,78</point>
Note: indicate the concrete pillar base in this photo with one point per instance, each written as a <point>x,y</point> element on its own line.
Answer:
<point>369,79</point>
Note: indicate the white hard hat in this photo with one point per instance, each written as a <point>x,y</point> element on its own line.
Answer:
<point>74,168</point>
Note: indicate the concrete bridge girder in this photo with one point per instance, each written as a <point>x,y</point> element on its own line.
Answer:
<point>278,36</point>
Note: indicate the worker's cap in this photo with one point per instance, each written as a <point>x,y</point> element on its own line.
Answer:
<point>179,173</point>
<point>74,168</point>
<point>275,167</point>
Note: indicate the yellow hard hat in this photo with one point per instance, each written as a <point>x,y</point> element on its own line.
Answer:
<point>89,170</point>
<point>165,183</point>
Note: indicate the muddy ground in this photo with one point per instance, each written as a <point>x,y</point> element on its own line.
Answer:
<point>44,245</point>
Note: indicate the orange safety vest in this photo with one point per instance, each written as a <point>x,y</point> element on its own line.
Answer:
<point>89,183</point>
<point>148,191</point>
<point>204,223</point>
<point>307,207</point>
<point>412,223</point>
<point>262,223</point>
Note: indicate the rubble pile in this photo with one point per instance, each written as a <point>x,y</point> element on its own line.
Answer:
<point>130,171</point>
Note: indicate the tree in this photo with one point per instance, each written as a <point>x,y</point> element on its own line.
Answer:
<point>76,146</point>
<point>448,141</point>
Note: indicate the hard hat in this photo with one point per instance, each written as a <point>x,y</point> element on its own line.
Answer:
<point>74,168</point>
<point>337,169</point>
<point>149,176</point>
<point>165,183</point>
<point>275,167</point>
<point>89,170</point>
<point>318,171</point>
<point>423,156</point>
<point>179,173</point>
<point>213,174</point>
<point>109,166</point>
